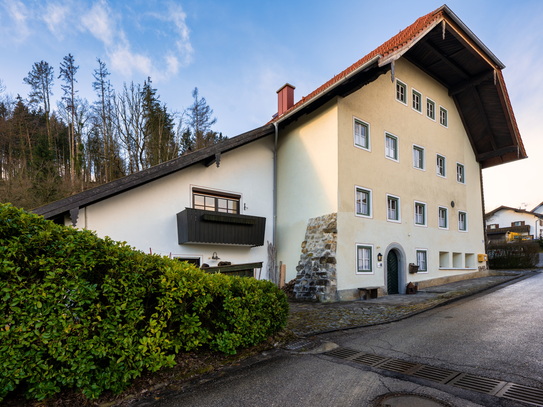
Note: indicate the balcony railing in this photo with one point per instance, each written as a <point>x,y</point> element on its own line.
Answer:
<point>200,226</point>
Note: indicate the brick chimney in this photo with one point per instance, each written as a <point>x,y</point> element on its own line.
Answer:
<point>285,98</point>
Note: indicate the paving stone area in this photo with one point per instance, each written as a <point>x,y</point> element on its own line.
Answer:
<point>313,318</point>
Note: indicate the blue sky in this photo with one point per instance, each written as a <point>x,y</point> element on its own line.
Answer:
<point>238,53</point>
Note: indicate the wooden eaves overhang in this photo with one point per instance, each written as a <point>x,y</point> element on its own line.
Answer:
<point>205,156</point>
<point>441,45</point>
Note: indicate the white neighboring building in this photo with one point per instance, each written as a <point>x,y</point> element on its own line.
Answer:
<point>507,224</point>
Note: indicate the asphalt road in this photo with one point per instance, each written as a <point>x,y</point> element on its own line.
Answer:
<point>496,335</point>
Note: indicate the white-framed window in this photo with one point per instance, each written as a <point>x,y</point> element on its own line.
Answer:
<point>430,109</point>
<point>443,217</point>
<point>391,146</point>
<point>462,221</point>
<point>361,134</point>
<point>215,201</point>
<point>416,100</point>
<point>393,208</point>
<point>460,173</point>
<point>194,260</point>
<point>420,213</point>
<point>443,116</point>
<point>364,256</point>
<point>401,92</point>
<point>418,157</point>
<point>363,204</point>
<point>441,165</point>
<point>422,260</point>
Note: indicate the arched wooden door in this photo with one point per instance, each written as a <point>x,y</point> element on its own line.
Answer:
<point>392,272</point>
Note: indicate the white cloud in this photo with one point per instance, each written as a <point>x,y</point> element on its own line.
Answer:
<point>107,27</point>
<point>19,14</point>
<point>100,23</point>
<point>178,17</point>
<point>56,18</point>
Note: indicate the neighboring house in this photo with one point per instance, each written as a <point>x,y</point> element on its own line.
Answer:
<point>506,224</point>
<point>374,173</point>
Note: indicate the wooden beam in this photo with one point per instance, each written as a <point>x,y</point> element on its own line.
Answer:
<point>497,153</point>
<point>472,82</point>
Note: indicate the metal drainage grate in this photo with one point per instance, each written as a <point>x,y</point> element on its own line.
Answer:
<point>342,353</point>
<point>525,394</point>
<point>397,365</point>
<point>477,383</point>
<point>369,359</point>
<point>467,381</point>
<point>435,374</point>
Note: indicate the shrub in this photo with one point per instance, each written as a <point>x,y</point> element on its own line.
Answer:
<point>92,314</point>
<point>516,255</point>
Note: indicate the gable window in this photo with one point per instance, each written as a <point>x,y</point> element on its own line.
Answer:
<point>363,259</point>
<point>391,147</point>
<point>443,119</point>
<point>422,260</point>
<point>518,223</point>
<point>401,92</point>
<point>460,175</point>
<point>440,165</point>
<point>416,101</point>
<point>462,221</point>
<point>430,109</point>
<point>393,208</point>
<point>215,201</point>
<point>363,202</point>
<point>420,213</point>
<point>443,218</point>
<point>361,134</point>
<point>418,157</point>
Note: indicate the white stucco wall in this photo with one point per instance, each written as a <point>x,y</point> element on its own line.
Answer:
<point>145,217</point>
<point>376,105</point>
<point>307,180</point>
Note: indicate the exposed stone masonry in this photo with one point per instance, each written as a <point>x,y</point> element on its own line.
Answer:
<point>316,270</point>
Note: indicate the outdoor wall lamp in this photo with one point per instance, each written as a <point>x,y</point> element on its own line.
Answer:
<point>379,257</point>
<point>215,256</point>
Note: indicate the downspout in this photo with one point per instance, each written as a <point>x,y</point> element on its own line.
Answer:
<point>274,227</point>
<point>483,208</point>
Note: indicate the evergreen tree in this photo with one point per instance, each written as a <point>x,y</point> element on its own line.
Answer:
<point>197,133</point>
<point>68,69</point>
<point>158,128</point>
<point>105,144</point>
<point>40,79</point>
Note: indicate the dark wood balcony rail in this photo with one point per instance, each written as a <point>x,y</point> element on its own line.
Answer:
<point>200,226</point>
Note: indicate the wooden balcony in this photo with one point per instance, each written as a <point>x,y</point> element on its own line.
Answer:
<point>200,226</point>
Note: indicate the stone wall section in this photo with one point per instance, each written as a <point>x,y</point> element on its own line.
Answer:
<point>316,270</point>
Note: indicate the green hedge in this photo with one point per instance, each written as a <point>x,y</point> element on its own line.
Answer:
<point>81,312</point>
<point>514,255</point>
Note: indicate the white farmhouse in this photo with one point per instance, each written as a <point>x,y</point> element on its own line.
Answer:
<point>368,183</point>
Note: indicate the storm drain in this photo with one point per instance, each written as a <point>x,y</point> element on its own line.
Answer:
<point>467,381</point>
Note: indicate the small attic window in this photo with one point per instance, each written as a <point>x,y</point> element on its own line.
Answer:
<point>401,92</point>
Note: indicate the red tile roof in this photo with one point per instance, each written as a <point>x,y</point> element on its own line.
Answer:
<point>397,42</point>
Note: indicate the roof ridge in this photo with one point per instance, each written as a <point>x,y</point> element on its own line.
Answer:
<point>399,40</point>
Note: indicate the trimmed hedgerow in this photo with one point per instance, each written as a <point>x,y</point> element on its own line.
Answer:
<point>81,312</point>
<point>514,255</point>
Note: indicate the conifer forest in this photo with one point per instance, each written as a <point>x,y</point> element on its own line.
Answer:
<point>51,152</point>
